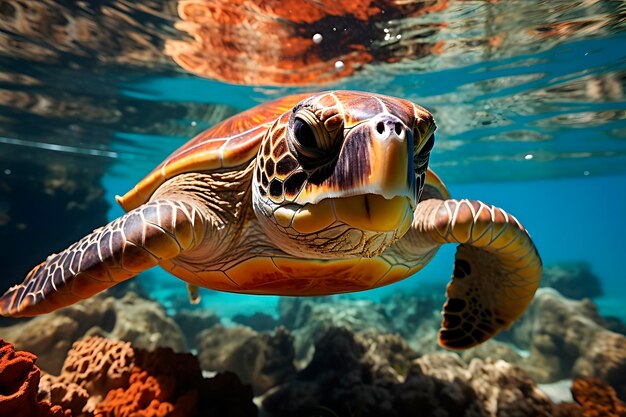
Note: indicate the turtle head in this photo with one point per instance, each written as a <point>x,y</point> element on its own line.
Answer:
<point>340,174</point>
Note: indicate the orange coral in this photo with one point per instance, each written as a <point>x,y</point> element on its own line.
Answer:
<point>19,379</point>
<point>165,383</point>
<point>93,367</point>
<point>162,383</point>
<point>594,398</point>
<point>99,365</point>
<point>597,398</point>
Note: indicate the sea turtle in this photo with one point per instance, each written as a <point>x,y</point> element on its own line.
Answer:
<point>310,194</point>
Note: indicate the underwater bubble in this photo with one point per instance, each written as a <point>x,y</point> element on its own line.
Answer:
<point>586,173</point>
<point>194,123</point>
<point>529,157</point>
<point>339,65</point>
<point>7,172</point>
<point>317,38</point>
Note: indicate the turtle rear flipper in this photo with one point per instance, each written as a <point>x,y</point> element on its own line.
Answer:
<point>496,270</point>
<point>111,254</point>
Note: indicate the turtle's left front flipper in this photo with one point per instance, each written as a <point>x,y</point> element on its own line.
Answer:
<point>496,270</point>
<point>138,240</point>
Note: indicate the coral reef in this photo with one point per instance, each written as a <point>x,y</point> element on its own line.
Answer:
<point>161,383</point>
<point>131,318</point>
<point>368,372</point>
<point>573,280</point>
<point>340,357</point>
<point>493,349</point>
<point>260,359</point>
<point>594,398</point>
<point>417,317</point>
<point>107,378</point>
<point>19,381</point>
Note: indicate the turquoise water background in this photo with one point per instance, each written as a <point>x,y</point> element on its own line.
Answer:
<point>537,126</point>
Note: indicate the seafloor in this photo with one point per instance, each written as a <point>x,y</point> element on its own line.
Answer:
<point>120,354</point>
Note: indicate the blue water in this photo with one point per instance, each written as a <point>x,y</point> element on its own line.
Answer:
<point>530,119</point>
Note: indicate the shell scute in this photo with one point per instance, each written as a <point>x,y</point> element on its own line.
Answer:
<point>230,143</point>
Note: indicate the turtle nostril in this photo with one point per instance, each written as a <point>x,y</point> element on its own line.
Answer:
<point>398,128</point>
<point>380,127</point>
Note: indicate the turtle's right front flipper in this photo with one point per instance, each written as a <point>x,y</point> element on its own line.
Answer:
<point>496,271</point>
<point>116,252</point>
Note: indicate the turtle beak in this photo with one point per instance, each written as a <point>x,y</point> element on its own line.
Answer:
<point>391,160</point>
<point>376,158</point>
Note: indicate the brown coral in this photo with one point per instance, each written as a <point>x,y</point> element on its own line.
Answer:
<point>597,398</point>
<point>19,379</point>
<point>69,396</point>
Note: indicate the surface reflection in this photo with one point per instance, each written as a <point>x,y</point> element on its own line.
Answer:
<point>294,42</point>
<point>111,31</point>
<point>493,72</point>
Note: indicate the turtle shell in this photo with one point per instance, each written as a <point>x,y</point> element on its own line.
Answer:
<point>228,144</point>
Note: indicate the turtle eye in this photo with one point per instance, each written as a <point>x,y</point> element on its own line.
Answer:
<point>311,139</point>
<point>304,134</point>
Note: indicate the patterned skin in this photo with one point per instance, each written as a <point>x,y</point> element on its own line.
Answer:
<point>307,195</point>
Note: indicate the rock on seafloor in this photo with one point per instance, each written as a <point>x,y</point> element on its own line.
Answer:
<point>259,321</point>
<point>348,377</point>
<point>309,318</point>
<point>263,360</point>
<point>566,339</point>
<point>131,318</point>
<point>572,279</point>
<point>193,321</point>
